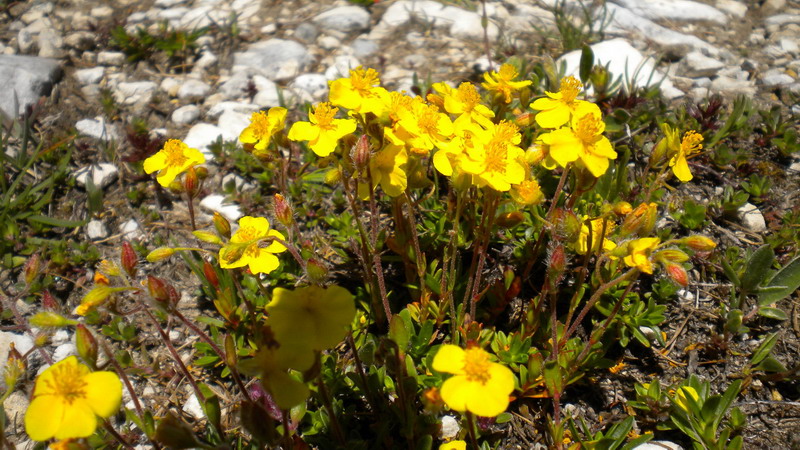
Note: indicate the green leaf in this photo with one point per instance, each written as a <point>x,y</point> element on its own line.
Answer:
<point>757,268</point>
<point>553,379</point>
<point>399,332</point>
<point>788,277</point>
<point>730,273</point>
<point>772,313</point>
<point>770,364</point>
<point>726,400</point>
<point>763,350</point>
<point>53,222</point>
<point>211,408</point>
<point>586,64</point>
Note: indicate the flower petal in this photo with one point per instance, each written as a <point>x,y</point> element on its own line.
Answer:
<point>155,162</point>
<point>44,416</point>
<point>449,359</point>
<point>103,393</point>
<point>458,392</point>
<point>265,262</point>
<point>79,421</point>
<point>303,131</point>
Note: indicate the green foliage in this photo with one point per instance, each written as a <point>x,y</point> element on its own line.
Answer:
<point>693,215</point>
<point>579,26</point>
<point>758,187</point>
<point>175,45</point>
<point>703,418</point>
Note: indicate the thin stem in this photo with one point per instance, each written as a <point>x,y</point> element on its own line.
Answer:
<point>116,435</point>
<point>287,431</point>
<point>376,257</point>
<point>549,217</point>
<point>471,430</point>
<point>596,334</point>
<point>417,251</point>
<point>486,231</point>
<point>360,369</point>
<point>486,46</point>
<point>190,203</point>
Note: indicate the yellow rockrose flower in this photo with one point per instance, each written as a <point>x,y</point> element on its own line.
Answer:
<point>263,125</point>
<point>558,107</point>
<point>454,445</point>
<point>527,193</point>
<point>361,92</point>
<point>479,385</point>
<point>465,102</point>
<point>692,142</point>
<point>67,399</point>
<point>245,247</point>
<point>584,140</point>
<point>581,246</point>
<point>467,136</point>
<point>502,83</point>
<point>172,160</point>
<point>498,163</point>
<point>387,168</point>
<point>423,127</point>
<point>638,253</point>
<point>323,131</point>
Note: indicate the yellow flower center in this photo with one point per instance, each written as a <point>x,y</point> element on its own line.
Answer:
<point>468,95</point>
<point>528,190</point>
<point>569,89</point>
<point>587,128</point>
<point>428,121</point>
<point>324,114</point>
<point>174,149</point>
<point>364,80</point>
<point>259,122</point>
<point>68,383</point>
<point>507,72</point>
<point>476,365</point>
<point>692,142</point>
<point>496,156</point>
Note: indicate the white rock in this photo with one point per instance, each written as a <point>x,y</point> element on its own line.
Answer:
<point>462,23</point>
<point>315,84</point>
<point>202,135</point>
<point>105,58</point>
<point>789,45</point>
<point>219,108</point>
<point>50,44</point>
<point>276,59</point>
<point>135,92</point>
<point>328,43</point>
<point>63,351</point>
<point>658,445</point>
<point>697,64</point>
<point>60,337</point>
<point>364,47</point>
<point>25,40</point>
<point>103,174</point>
<point>450,428</point>
<point>193,408</point>
<point>96,229</point>
<point>216,203</point>
<point>725,84</point>
<point>170,86</point>
<point>752,218</point>
<point>131,230</point>
<point>192,90</point>
<point>624,62</point>
<point>268,94</point>
<point>776,77</point>
<point>89,76</point>
<point>732,7</point>
<point>342,65</point>
<point>168,3</point>
<point>186,114</point>
<point>344,18</point>
<point>204,16</point>
<point>674,10</point>
<point>15,406</point>
<point>782,19</point>
<point>102,12</point>
<point>97,128</point>
<point>175,335</point>
<point>206,60</point>
<point>232,123</point>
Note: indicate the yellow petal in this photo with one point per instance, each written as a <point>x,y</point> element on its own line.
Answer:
<point>79,421</point>
<point>275,246</point>
<point>597,165</point>
<point>336,309</point>
<point>681,169</point>
<point>449,359</point>
<point>155,162</point>
<point>43,417</point>
<point>303,131</point>
<point>265,262</point>
<point>458,393</point>
<point>565,146</point>
<point>103,393</point>
<point>553,118</point>
<point>286,391</point>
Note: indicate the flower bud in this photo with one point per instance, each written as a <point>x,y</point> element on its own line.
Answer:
<point>190,182</point>
<point>109,268</point>
<point>32,267</point>
<point>699,243</point>
<point>317,271</point>
<point>222,225</point>
<point>510,219</point>
<point>283,211</point>
<point>622,208</point>
<point>599,77</point>
<point>535,154</point>
<point>49,319</point>
<point>566,223</point>
<point>556,265</point>
<point>49,302</point>
<point>230,351</point>
<point>128,259</point>
<point>176,187</point>
<point>432,400</point>
<point>333,176</point>
<point>677,273</point>
<point>361,152</point>
<point>159,254</point>
<point>671,255</point>
<point>86,345</point>
<point>524,120</point>
<point>641,220</point>
<point>15,367</point>
<point>210,274</point>
<point>158,289</point>
<point>202,172</point>
<point>207,236</point>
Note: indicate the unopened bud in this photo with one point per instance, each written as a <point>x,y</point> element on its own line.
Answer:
<point>671,255</point>
<point>158,289</point>
<point>510,219</point>
<point>32,267</point>
<point>535,154</point>
<point>523,120</point>
<point>641,220</point>
<point>222,225</point>
<point>207,236</point>
<point>128,259</point>
<point>48,301</point>
<point>15,367</point>
<point>317,271</point>
<point>677,273</point>
<point>566,223</point>
<point>230,351</point>
<point>432,400</point>
<point>599,77</point>
<point>361,152</point>
<point>176,187</point>
<point>49,319</point>
<point>86,345</point>
<point>109,268</point>
<point>283,211</point>
<point>622,208</point>
<point>210,274</point>
<point>190,182</point>
<point>159,254</point>
<point>333,176</point>
<point>699,243</point>
<point>202,172</point>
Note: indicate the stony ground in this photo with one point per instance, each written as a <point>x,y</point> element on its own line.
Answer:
<point>257,54</point>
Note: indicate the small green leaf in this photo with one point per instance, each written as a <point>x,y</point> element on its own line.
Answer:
<point>757,268</point>
<point>53,222</point>
<point>763,350</point>
<point>772,313</point>
<point>399,333</point>
<point>586,64</point>
<point>770,364</point>
<point>553,379</point>
<point>789,277</point>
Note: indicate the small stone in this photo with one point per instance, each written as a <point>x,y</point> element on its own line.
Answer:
<point>450,428</point>
<point>216,203</point>
<point>776,77</point>
<point>60,337</point>
<point>315,84</point>
<point>751,218</point>
<point>131,230</point>
<point>89,76</point>
<point>24,79</point>
<point>63,351</point>
<point>306,32</point>
<point>674,10</point>
<point>186,114</point>
<point>344,18</point>
<point>102,12</point>
<point>135,92</point>
<point>697,64</point>
<point>219,108</point>
<point>193,408</point>
<point>15,406</point>
<point>25,40</point>
<point>328,43</point>
<point>97,128</point>
<point>726,84</point>
<point>276,59</point>
<point>103,174</point>
<point>192,90</point>
<point>658,445</point>
<point>269,28</point>
<point>111,58</point>
<point>170,86</point>
<point>50,44</point>
<point>202,135</point>
<point>732,7</point>
<point>342,65</point>
<point>175,335</point>
<point>364,47</point>
<point>96,229</point>
<point>789,45</point>
<point>206,60</point>
<point>232,123</point>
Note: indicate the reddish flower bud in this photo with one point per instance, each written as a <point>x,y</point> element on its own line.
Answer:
<point>283,211</point>
<point>128,259</point>
<point>32,267</point>
<point>190,182</point>
<point>699,243</point>
<point>317,271</point>
<point>361,152</point>
<point>640,221</point>
<point>210,274</point>
<point>49,302</point>
<point>158,289</point>
<point>86,345</point>
<point>677,274</point>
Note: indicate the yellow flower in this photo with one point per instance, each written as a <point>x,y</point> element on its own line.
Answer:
<point>245,247</point>
<point>323,131</point>
<point>423,127</point>
<point>272,363</point>
<point>558,107</point>
<point>582,245</point>
<point>361,92</point>
<point>172,160</point>
<point>692,142</point>
<point>314,316</point>
<point>465,140</point>
<point>465,102</point>
<point>527,193</point>
<point>639,251</point>
<point>502,82</point>
<point>479,385</point>
<point>387,168</point>
<point>67,399</point>
<point>263,125</point>
<point>584,140</point>
<point>454,445</point>
<point>499,162</point>
<point>682,395</point>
